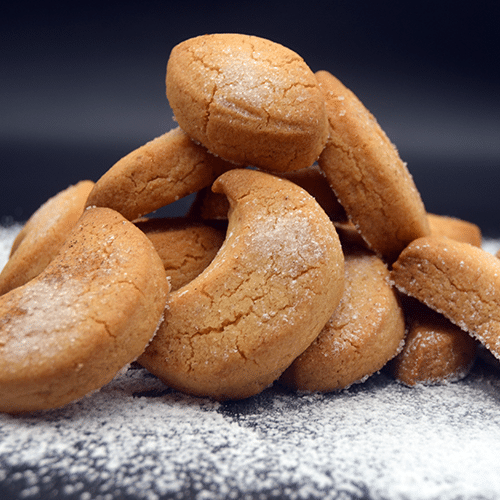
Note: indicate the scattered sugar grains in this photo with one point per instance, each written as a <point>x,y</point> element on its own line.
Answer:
<point>136,439</point>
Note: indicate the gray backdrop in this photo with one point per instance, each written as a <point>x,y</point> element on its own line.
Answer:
<point>81,85</point>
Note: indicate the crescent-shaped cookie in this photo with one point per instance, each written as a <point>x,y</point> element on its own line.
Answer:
<point>42,236</point>
<point>456,279</point>
<point>365,331</point>
<point>264,298</point>
<point>367,174</point>
<point>91,312</point>
<point>156,174</point>
<point>248,100</point>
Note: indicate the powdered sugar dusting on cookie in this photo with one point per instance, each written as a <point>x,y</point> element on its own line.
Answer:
<point>294,238</point>
<point>42,312</point>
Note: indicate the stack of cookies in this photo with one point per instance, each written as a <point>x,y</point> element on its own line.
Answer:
<point>307,258</point>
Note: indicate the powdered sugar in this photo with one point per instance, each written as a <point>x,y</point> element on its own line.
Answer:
<point>136,439</point>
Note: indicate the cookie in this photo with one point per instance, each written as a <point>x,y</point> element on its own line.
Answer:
<point>210,205</point>
<point>369,178</point>
<point>156,174</point>
<point>248,100</point>
<point>456,229</point>
<point>91,311</point>
<point>365,331</point>
<point>185,247</point>
<point>435,352</point>
<point>456,279</point>
<point>43,235</point>
<point>276,280</point>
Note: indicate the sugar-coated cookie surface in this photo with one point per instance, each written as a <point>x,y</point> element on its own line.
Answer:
<point>185,247</point>
<point>367,174</point>
<point>43,235</point>
<point>456,279</point>
<point>91,312</point>
<point>248,100</point>
<point>156,174</point>
<point>436,351</point>
<point>365,331</point>
<point>264,298</point>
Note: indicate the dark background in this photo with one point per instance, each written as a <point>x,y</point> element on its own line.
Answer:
<point>82,84</point>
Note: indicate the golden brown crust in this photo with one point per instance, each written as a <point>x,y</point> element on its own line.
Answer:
<point>367,174</point>
<point>185,247</point>
<point>456,279</point>
<point>456,229</point>
<point>365,331</point>
<point>87,315</point>
<point>43,235</point>
<point>276,280</point>
<point>248,100</point>
<point>156,174</point>
<point>436,351</point>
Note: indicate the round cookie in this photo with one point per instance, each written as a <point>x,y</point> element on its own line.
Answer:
<point>276,280</point>
<point>456,229</point>
<point>87,315</point>
<point>456,279</point>
<point>436,351</point>
<point>367,174</point>
<point>43,235</point>
<point>248,100</point>
<point>156,174</point>
<point>185,247</point>
<point>365,331</point>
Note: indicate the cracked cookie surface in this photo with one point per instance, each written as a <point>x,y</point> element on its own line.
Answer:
<point>456,279</point>
<point>92,311</point>
<point>365,331</point>
<point>367,174</point>
<point>156,174</point>
<point>248,100</point>
<point>276,280</point>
